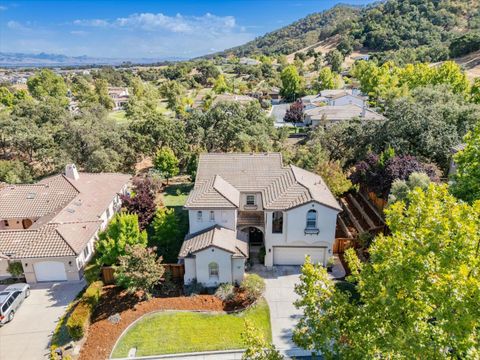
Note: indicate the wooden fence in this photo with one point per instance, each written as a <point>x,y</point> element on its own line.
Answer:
<point>176,272</point>
<point>341,244</point>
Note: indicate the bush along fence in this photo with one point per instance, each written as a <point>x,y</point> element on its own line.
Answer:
<point>79,319</point>
<point>176,271</point>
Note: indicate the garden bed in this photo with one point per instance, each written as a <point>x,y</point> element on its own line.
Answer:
<point>103,334</point>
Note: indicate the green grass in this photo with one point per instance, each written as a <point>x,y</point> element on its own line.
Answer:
<point>176,195</point>
<point>177,332</point>
<point>118,116</point>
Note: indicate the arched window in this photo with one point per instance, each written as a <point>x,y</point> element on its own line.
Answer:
<point>312,219</point>
<point>277,222</point>
<point>213,270</point>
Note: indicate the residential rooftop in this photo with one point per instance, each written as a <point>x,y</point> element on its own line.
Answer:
<point>221,177</point>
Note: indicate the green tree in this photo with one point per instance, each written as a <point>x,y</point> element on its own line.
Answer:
<point>138,269</point>
<point>45,85</point>
<point>401,188</point>
<point>123,230</point>
<point>417,295</point>
<point>327,79</point>
<point>292,83</point>
<point>335,58</point>
<point>14,172</point>
<point>165,233</point>
<point>166,162</point>
<point>256,347</point>
<point>101,91</point>
<point>6,97</point>
<point>220,86</point>
<point>466,180</point>
<point>173,92</point>
<point>333,175</point>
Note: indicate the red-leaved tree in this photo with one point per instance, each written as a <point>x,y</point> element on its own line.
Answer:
<point>141,201</point>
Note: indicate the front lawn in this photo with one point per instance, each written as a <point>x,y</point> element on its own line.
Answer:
<point>179,332</point>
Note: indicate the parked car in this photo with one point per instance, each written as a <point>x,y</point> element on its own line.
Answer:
<point>10,300</point>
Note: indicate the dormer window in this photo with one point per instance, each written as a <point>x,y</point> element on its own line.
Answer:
<point>250,200</point>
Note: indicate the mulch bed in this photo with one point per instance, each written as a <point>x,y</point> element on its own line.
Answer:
<point>102,334</point>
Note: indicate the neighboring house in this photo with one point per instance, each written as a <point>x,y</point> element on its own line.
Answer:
<point>120,97</point>
<point>327,115</point>
<point>244,204</point>
<point>249,61</point>
<point>241,99</point>
<point>334,98</point>
<point>51,226</point>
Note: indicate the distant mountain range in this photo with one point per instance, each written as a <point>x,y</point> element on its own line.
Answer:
<point>52,60</point>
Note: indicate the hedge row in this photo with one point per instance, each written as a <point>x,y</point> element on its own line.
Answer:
<point>80,316</point>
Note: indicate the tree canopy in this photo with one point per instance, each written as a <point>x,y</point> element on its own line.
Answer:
<point>417,297</point>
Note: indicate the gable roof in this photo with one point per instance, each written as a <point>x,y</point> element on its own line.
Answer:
<point>221,177</point>
<point>216,236</point>
<point>66,213</point>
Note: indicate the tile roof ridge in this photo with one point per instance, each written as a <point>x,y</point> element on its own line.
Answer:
<point>70,182</point>
<point>293,167</point>
<point>203,231</point>
<point>65,240</point>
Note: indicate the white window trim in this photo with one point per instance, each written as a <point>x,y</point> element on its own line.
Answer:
<point>254,200</point>
<point>212,215</point>
<point>199,215</point>
<point>211,266</point>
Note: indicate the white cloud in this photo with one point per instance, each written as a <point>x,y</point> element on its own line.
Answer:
<point>15,25</point>
<point>176,24</point>
<point>92,22</point>
<point>3,8</point>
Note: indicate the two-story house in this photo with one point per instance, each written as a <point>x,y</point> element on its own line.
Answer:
<point>244,205</point>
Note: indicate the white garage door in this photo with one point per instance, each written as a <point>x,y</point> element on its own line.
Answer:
<point>296,255</point>
<point>50,271</point>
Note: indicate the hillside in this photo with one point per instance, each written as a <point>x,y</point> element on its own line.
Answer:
<point>400,30</point>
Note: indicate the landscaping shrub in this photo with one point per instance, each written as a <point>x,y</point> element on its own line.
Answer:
<point>80,316</point>
<point>15,268</point>
<point>225,292</point>
<point>194,288</point>
<point>93,293</point>
<point>78,320</point>
<point>254,286</point>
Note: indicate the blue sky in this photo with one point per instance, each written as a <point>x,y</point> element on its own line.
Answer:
<point>144,29</point>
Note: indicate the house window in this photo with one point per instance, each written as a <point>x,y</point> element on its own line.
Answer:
<point>86,252</point>
<point>212,215</point>
<point>277,222</point>
<point>213,270</point>
<point>312,219</point>
<point>5,222</point>
<point>199,216</point>
<point>250,200</point>
<point>108,212</point>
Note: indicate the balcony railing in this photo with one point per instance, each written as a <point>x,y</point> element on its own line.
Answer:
<point>250,218</point>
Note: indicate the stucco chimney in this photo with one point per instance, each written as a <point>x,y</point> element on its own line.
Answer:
<point>71,172</point>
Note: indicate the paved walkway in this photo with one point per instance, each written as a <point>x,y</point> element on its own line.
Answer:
<point>280,295</point>
<point>28,335</point>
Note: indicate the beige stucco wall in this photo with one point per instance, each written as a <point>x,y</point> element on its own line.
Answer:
<point>3,268</point>
<point>258,201</point>
<point>224,218</point>
<point>294,223</point>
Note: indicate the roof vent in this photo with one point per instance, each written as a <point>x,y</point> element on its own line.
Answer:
<point>71,172</point>
<point>70,210</point>
<point>31,195</point>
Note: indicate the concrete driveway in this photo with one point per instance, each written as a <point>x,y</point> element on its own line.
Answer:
<point>280,295</point>
<point>28,335</point>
